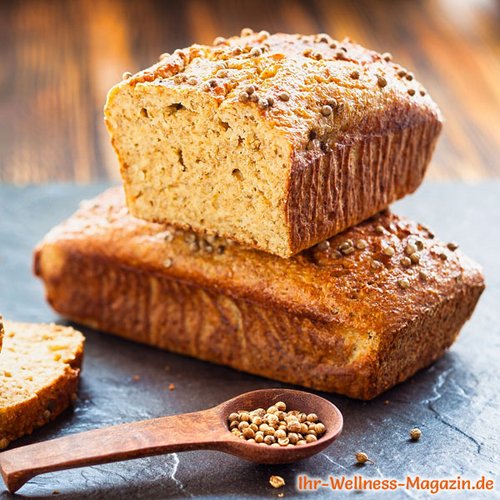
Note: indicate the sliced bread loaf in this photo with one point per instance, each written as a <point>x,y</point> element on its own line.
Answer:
<point>276,141</point>
<point>39,371</point>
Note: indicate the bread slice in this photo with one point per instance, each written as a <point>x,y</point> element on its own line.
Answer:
<point>275,141</point>
<point>39,370</point>
<point>355,315</point>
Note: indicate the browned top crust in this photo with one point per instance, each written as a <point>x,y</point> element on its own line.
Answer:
<point>311,87</point>
<point>374,276</point>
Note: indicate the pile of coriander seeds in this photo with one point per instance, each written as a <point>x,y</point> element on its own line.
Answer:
<point>276,426</point>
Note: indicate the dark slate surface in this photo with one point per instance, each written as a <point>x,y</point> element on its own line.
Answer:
<point>454,402</point>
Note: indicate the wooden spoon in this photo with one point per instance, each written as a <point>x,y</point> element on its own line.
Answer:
<point>203,430</point>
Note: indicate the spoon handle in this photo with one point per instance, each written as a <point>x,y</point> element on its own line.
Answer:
<point>190,431</point>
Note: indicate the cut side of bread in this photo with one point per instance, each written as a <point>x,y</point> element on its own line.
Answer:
<point>356,314</point>
<point>39,371</point>
<point>275,141</point>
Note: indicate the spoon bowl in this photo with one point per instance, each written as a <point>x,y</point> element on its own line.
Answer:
<point>202,430</point>
<point>306,402</point>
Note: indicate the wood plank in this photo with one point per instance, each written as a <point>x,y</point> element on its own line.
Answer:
<point>58,59</point>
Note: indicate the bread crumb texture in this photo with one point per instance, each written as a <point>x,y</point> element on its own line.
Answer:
<point>39,369</point>
<point>256,137</point>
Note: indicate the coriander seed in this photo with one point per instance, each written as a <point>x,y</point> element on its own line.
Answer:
<point>362,458</point>
<point>415,434</point>
<point>248,433</point>
<point>410,248</point>
<point>324,245</point>
<point>388,250</point>
<point>404,283</point>
<point>361,244</point>
<point>381,81</point>
<point>320,428</point>
<point>332,103</point>
<point>280,434</point>
<point>326,110</point>
<point>269,439</point>
<point>415,258</point>
<point>272,419</point>
<point>294,426</point>
<point>257,420</point>
<point>276,481</point>
<point>219,40</point>
<point>406,262</point>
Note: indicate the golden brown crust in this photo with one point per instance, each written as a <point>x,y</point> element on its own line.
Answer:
<point>43,400</point>
<point>369,148</point>
<point>353,180</point>
<point>313,70</point>
<point>350,315</point>
<point>2,332</point>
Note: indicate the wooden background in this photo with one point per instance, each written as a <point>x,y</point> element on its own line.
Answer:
<point>58,59</point>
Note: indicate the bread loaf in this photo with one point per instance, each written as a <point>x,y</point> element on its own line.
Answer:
<point>356,314</point>
<point>275,141</point>
<point>39,371</point>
